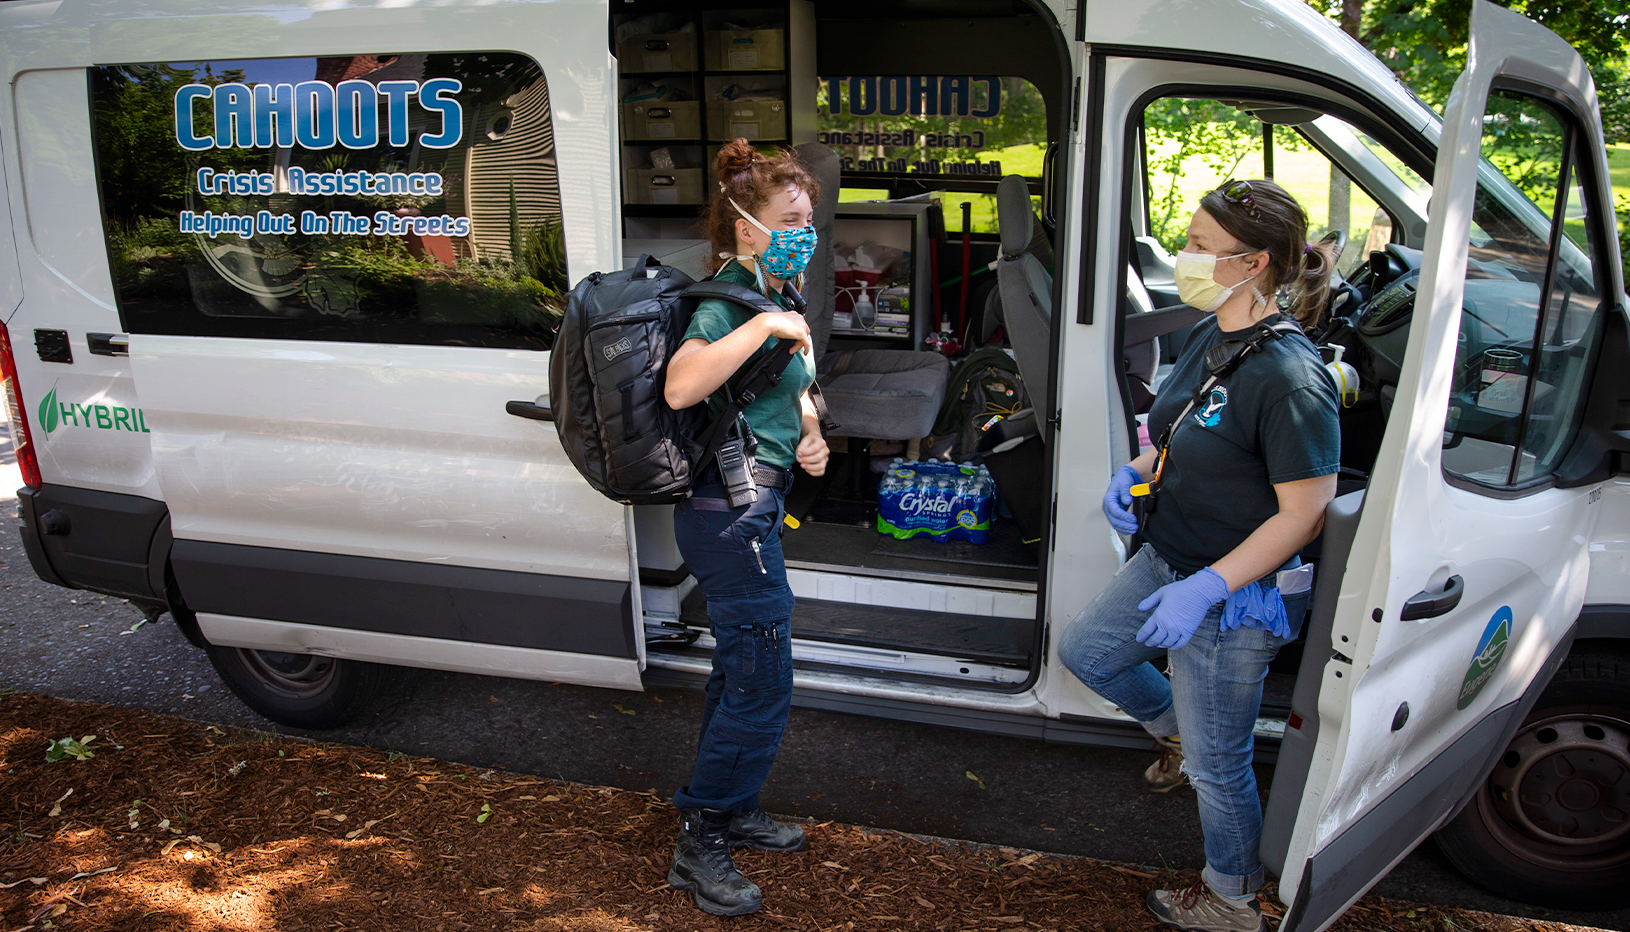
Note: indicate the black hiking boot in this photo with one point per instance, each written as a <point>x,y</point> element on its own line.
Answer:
<point>757,830</point>
<point>703,866</point>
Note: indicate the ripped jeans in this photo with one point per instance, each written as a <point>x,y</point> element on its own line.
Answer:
<point>735,554</point>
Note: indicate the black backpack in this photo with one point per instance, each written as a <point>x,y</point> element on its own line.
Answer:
<point>984,390</point>
<point>608,370</point>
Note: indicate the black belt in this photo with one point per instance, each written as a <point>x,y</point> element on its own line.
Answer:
<point>709,494</point>
<point>772,477</point>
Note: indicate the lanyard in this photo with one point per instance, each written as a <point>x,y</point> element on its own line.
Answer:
<point>1232,356</point>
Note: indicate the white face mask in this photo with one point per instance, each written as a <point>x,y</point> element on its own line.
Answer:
<point>1196,280</point>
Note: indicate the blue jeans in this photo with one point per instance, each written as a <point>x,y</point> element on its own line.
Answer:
<point>749,607</point>
<point>1211,701</point>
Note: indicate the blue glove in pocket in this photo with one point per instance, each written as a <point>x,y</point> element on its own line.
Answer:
<point>1256,606</point>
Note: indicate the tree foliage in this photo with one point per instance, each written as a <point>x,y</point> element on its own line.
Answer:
<point>1424,43</point>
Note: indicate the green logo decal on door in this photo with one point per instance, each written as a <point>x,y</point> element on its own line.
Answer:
<point>48,410</point>
<point>1490,651</point>
<point>55,413</point>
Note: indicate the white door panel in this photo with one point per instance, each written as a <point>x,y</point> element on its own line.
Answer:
<point>399,452</point>
<point>1412,713</point>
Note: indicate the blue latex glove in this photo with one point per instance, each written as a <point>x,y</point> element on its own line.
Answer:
<point>1118,500</point>
<point>1257,606</point>
<point>1179,608</point>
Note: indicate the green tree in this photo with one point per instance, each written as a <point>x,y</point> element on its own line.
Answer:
<point>1424,43</point>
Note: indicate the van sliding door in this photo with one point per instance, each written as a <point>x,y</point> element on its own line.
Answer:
<point>353,266</point>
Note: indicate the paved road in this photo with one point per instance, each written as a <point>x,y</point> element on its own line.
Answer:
<point>910,777</point>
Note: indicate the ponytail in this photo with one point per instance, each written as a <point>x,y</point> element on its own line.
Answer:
<point>1309,286</point>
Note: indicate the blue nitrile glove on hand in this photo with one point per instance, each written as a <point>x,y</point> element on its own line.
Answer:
<point>1179,608</point>
<point>1118,500</point>
<point>1257,606</point>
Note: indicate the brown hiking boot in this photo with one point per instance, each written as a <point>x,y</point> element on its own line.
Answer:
<point>1166,774</point>
<point>1198,909</point>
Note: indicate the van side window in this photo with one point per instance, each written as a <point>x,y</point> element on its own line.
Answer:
<point>905,135</point>
<point>1191,145</point>
<point>364,198</point>
<point>1530,321</point>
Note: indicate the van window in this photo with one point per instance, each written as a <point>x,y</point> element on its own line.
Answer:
<point>362,198</point>
<point>899,135</point>
<point>1531,314</point>
<point>1192,145</point>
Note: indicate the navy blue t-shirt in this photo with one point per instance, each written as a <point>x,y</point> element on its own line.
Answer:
<point>1272,420</point>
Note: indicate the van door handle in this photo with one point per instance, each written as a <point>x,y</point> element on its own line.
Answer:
<point>108,344</point>
<point>528,409</point>
<point>1427,604</point>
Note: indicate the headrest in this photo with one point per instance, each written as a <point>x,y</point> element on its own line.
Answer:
<point>822,163</point>
<point>1014,216</point>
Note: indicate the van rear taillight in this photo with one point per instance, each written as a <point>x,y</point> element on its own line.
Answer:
<point>21,441</point>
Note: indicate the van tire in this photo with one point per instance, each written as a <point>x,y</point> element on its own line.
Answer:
<point>1520,846</point>
<point>298,690</point>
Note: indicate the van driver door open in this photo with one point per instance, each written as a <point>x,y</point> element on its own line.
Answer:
<point>1469,564</point>
<point>331,326</point>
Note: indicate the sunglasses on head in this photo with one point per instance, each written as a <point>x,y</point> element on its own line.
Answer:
<point>1238,191</point>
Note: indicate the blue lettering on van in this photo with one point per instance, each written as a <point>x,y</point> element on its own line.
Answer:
<point>918,95</point>
<point>315,114</point>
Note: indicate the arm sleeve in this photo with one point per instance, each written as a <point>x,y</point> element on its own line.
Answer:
<point>710,322</point>
<point>1300,435</point>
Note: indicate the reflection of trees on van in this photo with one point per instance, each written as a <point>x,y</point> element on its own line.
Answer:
<point>143,172</point>
<point>502,284</point>
<point>1021,122</point>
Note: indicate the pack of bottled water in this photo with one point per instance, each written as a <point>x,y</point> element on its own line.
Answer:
<point>941,500</point>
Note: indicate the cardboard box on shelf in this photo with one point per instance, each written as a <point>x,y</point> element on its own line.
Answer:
<point>643,54</point>
<point>655,121</point>
<point>746,119</point>
<point>745,49</point>
<point>662,186</point>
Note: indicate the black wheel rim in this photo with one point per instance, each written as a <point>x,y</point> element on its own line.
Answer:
<point>1560,795</point>
<point>290,676</point>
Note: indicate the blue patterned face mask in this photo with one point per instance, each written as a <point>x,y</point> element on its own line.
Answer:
<point>790,250</point>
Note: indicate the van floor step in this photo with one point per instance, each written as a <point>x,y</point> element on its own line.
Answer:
<point>970,637</point>
<point>1004,556</point>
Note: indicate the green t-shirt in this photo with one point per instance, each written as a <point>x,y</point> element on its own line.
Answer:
<point>777,417</point>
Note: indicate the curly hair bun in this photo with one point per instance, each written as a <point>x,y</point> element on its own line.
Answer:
<point>735,157</point>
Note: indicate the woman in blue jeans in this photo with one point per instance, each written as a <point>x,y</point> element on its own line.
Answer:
<point>1234,489</point>
<point>759,224</point>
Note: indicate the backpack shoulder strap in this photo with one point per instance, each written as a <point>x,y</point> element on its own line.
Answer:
<point>736,294</point>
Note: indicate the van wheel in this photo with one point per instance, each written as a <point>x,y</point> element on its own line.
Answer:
<point>298,690</point>
<point>1549,825</point>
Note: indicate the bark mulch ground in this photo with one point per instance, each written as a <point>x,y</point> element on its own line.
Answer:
<point>178,825</point>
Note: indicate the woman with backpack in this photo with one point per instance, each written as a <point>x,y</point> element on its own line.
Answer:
<point>759,223</point>
<point>1236,486</point>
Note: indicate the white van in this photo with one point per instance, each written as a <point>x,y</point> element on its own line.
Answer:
<point>281,279</point>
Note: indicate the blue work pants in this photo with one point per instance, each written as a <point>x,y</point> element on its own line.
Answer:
<point>735,554</point>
